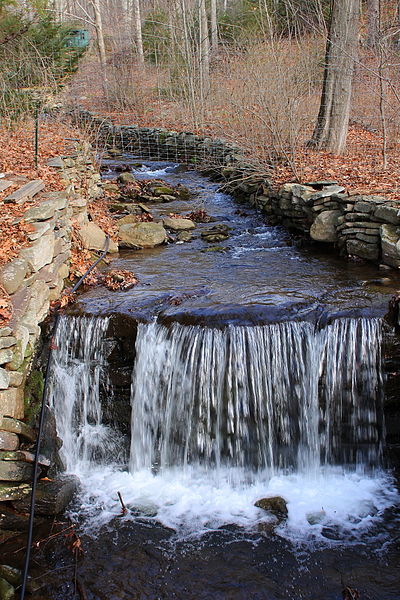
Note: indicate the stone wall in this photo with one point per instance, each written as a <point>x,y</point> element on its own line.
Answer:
<point>365,226</point>
<point>33,280</point>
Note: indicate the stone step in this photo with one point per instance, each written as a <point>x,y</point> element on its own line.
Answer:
<point>23,456</point>
<point>26,192</point>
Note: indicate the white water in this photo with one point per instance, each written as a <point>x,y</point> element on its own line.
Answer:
<point>213,431</point>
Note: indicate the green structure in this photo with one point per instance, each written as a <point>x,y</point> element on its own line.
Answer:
<point>78,38</point>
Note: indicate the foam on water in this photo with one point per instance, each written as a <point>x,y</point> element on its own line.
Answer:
<point>195,500</point>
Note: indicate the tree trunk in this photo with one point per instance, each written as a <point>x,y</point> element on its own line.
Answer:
<point>100,38</point>
<point>204,50</point>
<point>373,22</point>
<point>330,132</point>
<point>214,27</point>
<point>137,28</point>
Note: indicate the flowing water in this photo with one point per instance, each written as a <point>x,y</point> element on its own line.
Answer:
<point>258,382</point>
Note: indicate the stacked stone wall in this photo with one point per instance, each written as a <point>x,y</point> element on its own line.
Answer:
<point>33,279</point>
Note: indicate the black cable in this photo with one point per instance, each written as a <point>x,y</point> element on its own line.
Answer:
<point>40,429</point>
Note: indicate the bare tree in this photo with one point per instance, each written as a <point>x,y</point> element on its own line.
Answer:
<point>137,28</point>
<point>98,23</point>
<point>214,26</point>
<point>373,22</point>
<point>204,50</point>
<point>330,132</point>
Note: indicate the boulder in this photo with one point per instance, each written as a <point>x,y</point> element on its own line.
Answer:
<point>390,238</point>
<point>94,238</point>
<point>178,224</point>
<point>362,249</point>
<point>316,517</point>
<point>125,178</point>
<point>324,227</point>
<point>141,235</point>
<point>13,274</point>
<point>276,505</point>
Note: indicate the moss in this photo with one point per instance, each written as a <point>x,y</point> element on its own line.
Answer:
<point>33,395</point>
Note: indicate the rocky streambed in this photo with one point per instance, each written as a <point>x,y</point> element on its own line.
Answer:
<point>219,286</point>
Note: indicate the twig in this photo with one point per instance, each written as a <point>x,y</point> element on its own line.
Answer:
<point>124,509</point>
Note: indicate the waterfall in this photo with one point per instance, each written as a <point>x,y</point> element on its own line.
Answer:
<point>78,375</point>
<point>223,417</point>
<point>273,396</point>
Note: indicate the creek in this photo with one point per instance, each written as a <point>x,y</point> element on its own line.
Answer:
<point>253,369</point>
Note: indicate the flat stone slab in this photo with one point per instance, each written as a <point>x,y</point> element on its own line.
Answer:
<point>27,191</point>
<point>16,426</point>
<point>5,184</point>
<point>56,162</point>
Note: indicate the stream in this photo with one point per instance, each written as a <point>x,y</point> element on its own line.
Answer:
<point>254,369</point>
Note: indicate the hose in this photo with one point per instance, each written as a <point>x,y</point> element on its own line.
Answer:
<point>40,429</point>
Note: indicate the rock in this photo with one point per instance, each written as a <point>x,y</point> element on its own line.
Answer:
<point>389,214</point>
<point>16,378</point>
<point>52,497</point>
<point>390,237</point>
<point>94,238</point>
<point>23,456</point>
<point>16,426</point>
<point>111,187</point>
<point>324,227</point>
<point>5,356</point>
<point>215,234</point>
<point>8,441</point>
<point>114,151</point>
<point>13,576</point>
<point>10,491</point>
<point>162,190</point>
<point>39,229</point>
<point>329,190</point>
<point>316,517</point>
<point>275,505</point>
<point>7,591</point>
<point>215,249</point>
<point>15,471</point>
<point>56,162</point>
<point>13,274</point>
<point>141,235</point>
<point>46,210</point>
<point>7,342</point>
<point>184,236</point>
<point>178,224</point>
<point>362,249</point>
<point>125,178</point>
<point>4,379</point>
<point>40,253</point>
<point>5,331</point>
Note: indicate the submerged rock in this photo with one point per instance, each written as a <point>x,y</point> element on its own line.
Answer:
<point>184,236</point>
<point>316,517</point>
<point>215,234</point>
<point>276,505</point>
